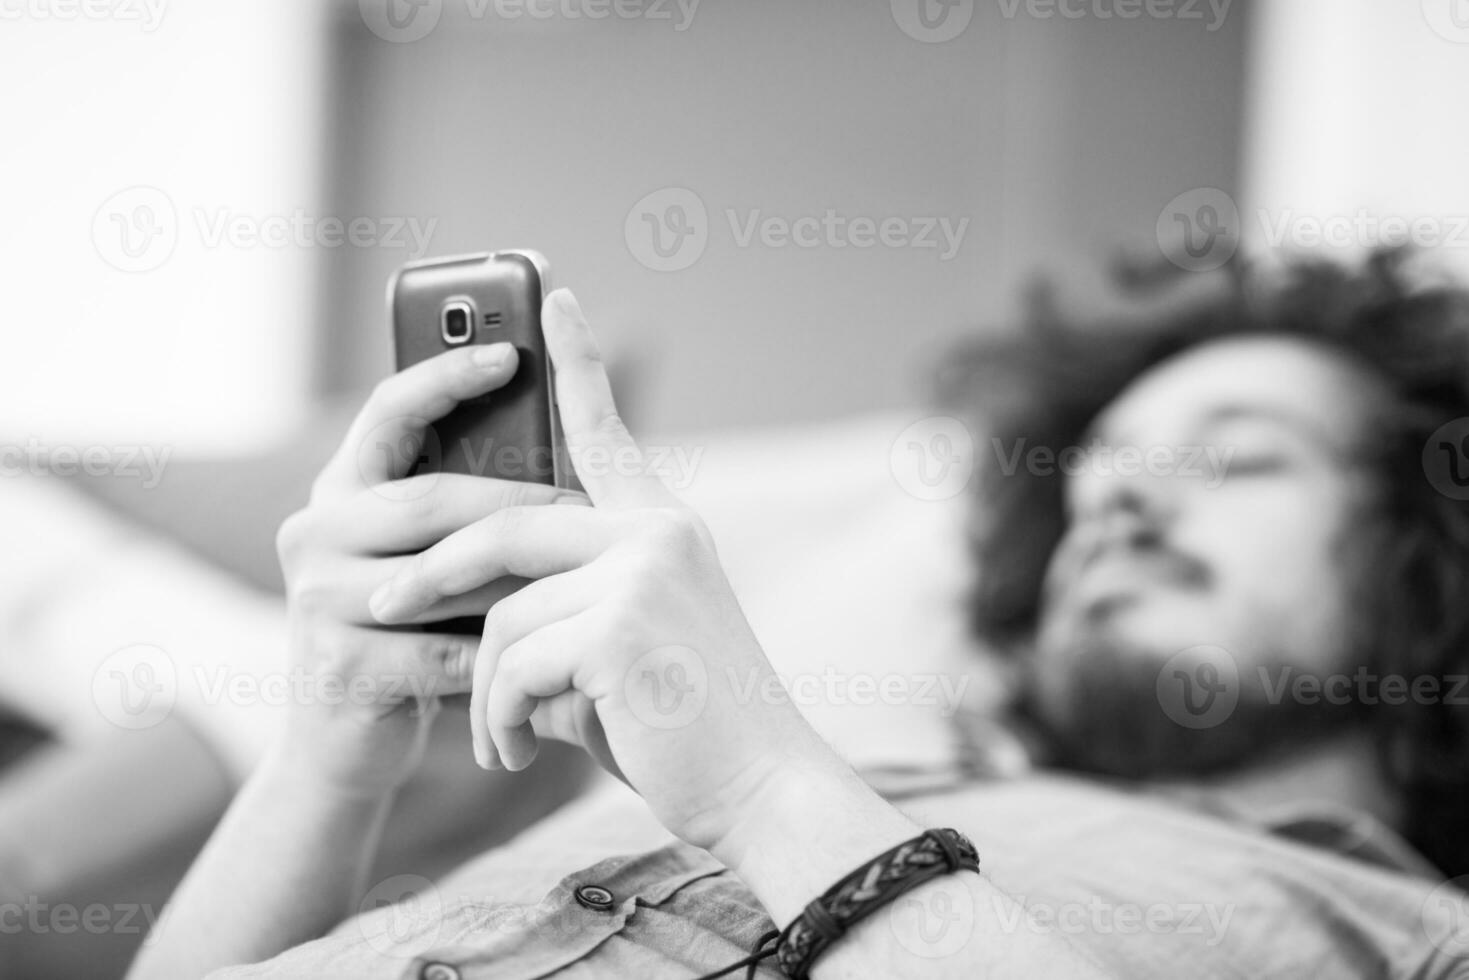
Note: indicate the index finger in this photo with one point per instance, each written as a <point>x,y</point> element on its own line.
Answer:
<point>607,460</point>
<point>387,435</point>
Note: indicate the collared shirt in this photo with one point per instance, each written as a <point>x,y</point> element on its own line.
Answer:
<point>1146,887</point>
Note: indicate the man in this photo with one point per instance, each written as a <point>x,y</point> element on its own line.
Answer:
<point>746,816</point>
<point>1299,538</point>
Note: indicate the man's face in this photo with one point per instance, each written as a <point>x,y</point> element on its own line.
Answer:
<point>1203,546</point>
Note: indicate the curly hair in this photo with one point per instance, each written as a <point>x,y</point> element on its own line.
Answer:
<point>1410,556</point>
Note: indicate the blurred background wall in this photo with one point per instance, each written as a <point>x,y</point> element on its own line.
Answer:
<point>183,180</point>
<point>203,198</point>
<point>1041,142</point>
<point>1356,123</point>
<point>142,141</point>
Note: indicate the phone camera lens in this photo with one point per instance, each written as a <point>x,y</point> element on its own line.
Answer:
<point>457,324</point>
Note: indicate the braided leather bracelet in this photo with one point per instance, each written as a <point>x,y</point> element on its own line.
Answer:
<point>858,895</point>
<point>869,888</point>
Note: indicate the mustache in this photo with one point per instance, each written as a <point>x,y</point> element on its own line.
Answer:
<point>1178,567</point>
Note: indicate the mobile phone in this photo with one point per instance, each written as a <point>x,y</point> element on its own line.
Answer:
<point>514,432</point>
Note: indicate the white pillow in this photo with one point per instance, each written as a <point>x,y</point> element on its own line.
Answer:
<point>854,586</point>
<point>106,629</point>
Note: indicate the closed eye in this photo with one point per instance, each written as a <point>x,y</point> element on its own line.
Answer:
<point>1246,464</point>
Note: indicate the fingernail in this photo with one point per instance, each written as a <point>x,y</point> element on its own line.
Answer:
<point>566,302</point>
<point>489,760</point>
<point>491,355</point>
<point>573,500</point>
<point>381,602</point>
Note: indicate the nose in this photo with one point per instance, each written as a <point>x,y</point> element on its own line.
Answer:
<point>1131,515</point>
<point>1132,509</point>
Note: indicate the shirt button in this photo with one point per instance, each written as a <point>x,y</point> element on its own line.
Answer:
<point>438,971</point>
<point>594,897</point>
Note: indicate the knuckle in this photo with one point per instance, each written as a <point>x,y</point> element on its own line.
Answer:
<point>695,528</point>
<point>673,532</point>
<point>499,621</point>
<point>514,495</point>
<point>610,423</point>
<point>624,623</point>
<point>587,352</point>
<point>292,535</point>
<point>421,574</point>
<point>310,591</point>
<point>510,672</point>
<point>461,371</point>
<point>638,607</point>
<point>383,392</point>
<point>318,490</point>
<point>422,493</point>
<point>408,503</point>
<point>506,522</point>
<point>455,660</point>
<point>335,654</point>
<point>644,567</point>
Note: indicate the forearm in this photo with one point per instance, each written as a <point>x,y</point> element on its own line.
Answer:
<point>287,863</point>
<point>815,826</point>
<point>129,799</point>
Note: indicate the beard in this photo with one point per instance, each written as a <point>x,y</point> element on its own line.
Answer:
<point>1109,706</point>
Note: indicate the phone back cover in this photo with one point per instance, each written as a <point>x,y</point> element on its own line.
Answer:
<point>508,433</point>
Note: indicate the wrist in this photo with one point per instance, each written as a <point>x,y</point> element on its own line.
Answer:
<point>358,752</point>
<point>289,769</point>
<point>810,824</point>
